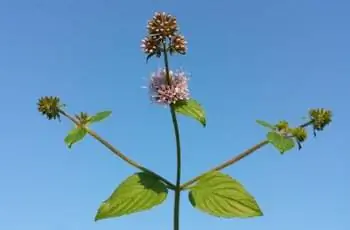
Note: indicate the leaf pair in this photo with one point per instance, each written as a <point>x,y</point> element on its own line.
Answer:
<point>78,133</point>
<point>215,193</point>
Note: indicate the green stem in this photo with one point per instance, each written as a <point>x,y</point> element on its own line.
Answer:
<point>234,159</point>
<point>227,163</point>
<point>178,149</point>
<point>117,152</point>
<point>178,171</point>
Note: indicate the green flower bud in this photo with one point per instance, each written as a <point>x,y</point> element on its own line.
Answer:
<point>49,107</point>
<point>299,133</point>
<point>83,118</point>
<point>282,127</point>
<point>320,117</point>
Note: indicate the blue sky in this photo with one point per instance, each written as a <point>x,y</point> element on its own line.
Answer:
<point>248,60</point>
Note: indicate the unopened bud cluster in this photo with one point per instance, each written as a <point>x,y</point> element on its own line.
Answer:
<point>83,118</point>
<point>299,133</point>
<point>178,44</point>
<point>162,26</point>
<point>49,107</point>
<point>321,118</point>
<point>282,127</point>
<point>163,29</point>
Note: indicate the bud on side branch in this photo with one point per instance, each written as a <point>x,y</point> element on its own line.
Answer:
<point>50,107</point>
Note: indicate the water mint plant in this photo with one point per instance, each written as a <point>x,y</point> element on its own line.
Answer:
<point>211,192</point>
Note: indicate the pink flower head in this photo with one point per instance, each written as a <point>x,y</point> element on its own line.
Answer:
<point>163,93</point>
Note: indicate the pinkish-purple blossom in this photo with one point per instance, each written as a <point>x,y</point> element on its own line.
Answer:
<point>163,93</point>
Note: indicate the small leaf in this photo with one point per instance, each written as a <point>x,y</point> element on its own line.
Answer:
<point>74,136</point>
<point>99,116</point>
<point>265,124</point>
<point>283,144</point>
<point>219,195</point>
<point>149,56</point>
<point>139,192</point>
<point>191,108</point>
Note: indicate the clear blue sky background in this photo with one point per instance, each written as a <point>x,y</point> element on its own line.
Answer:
<point>249,60</point>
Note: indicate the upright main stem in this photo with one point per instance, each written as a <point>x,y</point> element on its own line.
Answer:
<point>178,172</point>
<point>178,150</point>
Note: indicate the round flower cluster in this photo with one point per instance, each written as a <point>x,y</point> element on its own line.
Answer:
<point>178,44</point>
<point>49,107</point>
<point>321,118</point>
<point>162,25</point>
<point>150,46</point>
<point>163,92</point>
<point>299,133</point>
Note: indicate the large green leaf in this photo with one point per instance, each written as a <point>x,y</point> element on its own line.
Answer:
<point>219,195</point>
<point>191,108</point>
<point>139,192</point>
<point>281,143</point>
<point>74,136</point>
<point>265,124</point>
<point>99,116</point>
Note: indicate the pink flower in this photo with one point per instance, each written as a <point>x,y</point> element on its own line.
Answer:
<point>163,93</point>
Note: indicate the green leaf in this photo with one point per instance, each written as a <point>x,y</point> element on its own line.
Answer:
<point>265,124</point>
<point>283,144</point>
<point>99,116</point>
<point>219,195</point>
<point>139,192</point>
<point>191,108</point>
<point>74,136</point>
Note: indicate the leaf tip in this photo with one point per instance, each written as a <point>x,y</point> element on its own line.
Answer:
<point>100,214</point>
<point>97,217</point>
<point>259,212</point>
<point>203,122</point>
